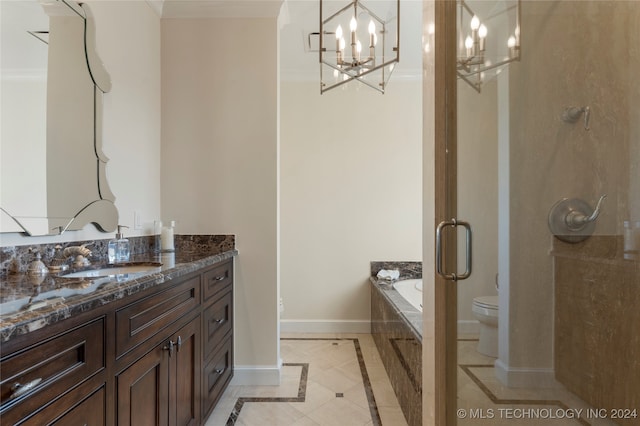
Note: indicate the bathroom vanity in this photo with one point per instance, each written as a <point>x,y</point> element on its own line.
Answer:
<point>148,348</point>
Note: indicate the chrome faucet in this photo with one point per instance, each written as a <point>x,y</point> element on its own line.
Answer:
<point>576,220</point>
<point>573,220</point>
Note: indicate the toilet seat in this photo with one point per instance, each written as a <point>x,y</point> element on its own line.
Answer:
<point>487,302</point>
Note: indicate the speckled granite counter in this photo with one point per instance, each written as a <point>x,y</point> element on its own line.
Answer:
<point>396,326</point>
<point>408,270</point>
<point>29,303</point>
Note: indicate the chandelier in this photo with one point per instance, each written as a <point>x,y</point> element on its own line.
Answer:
<point>358,43</point>
<point>488,39</point>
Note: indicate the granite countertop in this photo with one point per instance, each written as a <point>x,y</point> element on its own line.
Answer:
<point>29,303</point>
<point>408,270</point>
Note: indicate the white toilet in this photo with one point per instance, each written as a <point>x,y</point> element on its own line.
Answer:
<point>485,309</point>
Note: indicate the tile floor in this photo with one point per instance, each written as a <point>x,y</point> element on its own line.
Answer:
<point>339,379</point>
<point>480,394</point>
<point>327,379</point>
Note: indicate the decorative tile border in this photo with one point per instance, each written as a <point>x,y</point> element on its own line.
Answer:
<point>499,401</point>
<point>302,387</point>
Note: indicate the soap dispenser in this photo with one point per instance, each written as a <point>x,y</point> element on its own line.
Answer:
<point>118,249</point>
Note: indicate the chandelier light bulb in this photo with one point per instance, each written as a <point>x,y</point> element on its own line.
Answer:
<point>353,24</point>
<point>339,32</point>
<point>342,43</point>
<point>511,42</point>
<point>431,29</point>
<point>372,27</point>
<point>482,31</point>
<point>468,42</point>
<point>475,23</point>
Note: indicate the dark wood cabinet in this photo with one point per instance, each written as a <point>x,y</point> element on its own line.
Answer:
<point>160,357</point>
<point>36,377</point>
<point>163,387</point>
<point>143,391</point>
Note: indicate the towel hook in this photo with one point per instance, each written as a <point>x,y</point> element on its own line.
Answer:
<point>572,115</point>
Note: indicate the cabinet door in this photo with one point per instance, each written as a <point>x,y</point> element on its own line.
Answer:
<point>143,397</point>
<point>184,375</point>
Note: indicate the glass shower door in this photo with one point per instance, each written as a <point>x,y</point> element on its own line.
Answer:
<point>547,325</point>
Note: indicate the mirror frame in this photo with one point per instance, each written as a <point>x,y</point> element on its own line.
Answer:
<point>102,211</point>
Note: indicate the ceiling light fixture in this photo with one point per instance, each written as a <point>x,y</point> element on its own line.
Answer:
<point>358,43</point>
<point>486,45</point>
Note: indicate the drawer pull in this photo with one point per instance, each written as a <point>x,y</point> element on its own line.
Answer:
<point>218,278</point>
<point>219,321</point>
<point>19,389</point>
<point>179,344</point>
<point>220,371</point>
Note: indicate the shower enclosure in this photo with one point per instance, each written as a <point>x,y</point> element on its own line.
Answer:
<point>524,157</point>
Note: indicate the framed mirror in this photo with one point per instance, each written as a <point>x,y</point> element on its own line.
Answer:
<point>53,170</point>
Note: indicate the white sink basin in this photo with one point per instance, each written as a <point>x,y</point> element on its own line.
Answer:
<point>139,269</point>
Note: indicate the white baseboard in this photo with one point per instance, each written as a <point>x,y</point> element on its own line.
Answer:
<point>518,377</point>
<point>468,327</point>
<point>353,326</point>
<point>251,375</point>
<point>325,326</point>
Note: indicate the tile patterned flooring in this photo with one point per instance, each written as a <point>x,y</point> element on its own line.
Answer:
<point>480,394</point>
<point>339,380</point>
<point>326,380</point>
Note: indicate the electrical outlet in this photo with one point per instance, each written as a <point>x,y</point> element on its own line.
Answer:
<point>137,220</point>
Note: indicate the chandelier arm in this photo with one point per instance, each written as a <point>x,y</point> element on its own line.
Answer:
<point>340,83</point>
<point>349,6</point>
<point>475,86</point>
<point>490,67</point>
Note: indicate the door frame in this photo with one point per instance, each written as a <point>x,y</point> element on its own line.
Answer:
<point>440,346</point>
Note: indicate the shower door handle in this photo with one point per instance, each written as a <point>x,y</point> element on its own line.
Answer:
<point>440,269</point>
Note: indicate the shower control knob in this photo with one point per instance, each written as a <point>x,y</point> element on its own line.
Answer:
<point>573,220</point>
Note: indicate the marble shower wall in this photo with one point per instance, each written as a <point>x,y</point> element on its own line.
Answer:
<point>574,53</point>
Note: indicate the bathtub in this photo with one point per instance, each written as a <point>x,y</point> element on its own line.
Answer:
<point>411,290</point>
<point>396,326</point>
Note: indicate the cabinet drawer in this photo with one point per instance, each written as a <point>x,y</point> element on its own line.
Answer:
<point>89,410</point>
<point>140,320</point>
<point>55,364</point>
<point>217,279</point>
<point>217,373</point>
<point>218,321</point>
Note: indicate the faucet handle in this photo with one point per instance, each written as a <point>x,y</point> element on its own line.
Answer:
<point>573,220</point>
<point>577,219</point>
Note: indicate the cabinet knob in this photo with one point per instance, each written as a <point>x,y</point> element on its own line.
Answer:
<point>18,389</point>
<point>169,347</point>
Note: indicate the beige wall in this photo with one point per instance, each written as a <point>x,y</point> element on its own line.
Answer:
<point>351,193</point>
<point>219,160</point>
<point>477,194</point>
<point>128,42</point>
<point>573,54</point>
